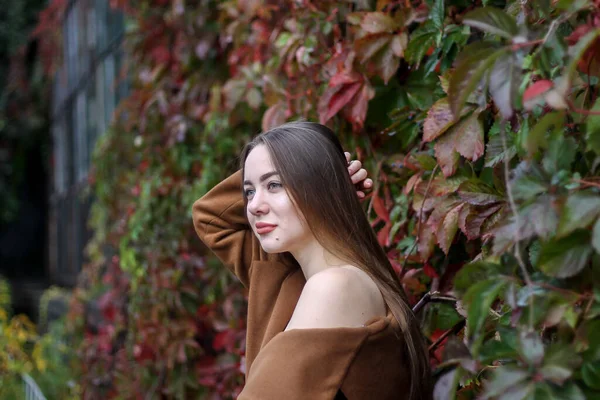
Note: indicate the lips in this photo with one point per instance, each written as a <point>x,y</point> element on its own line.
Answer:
<point>263,227</point>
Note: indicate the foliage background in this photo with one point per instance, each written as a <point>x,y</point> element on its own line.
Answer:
<point>478,122</point>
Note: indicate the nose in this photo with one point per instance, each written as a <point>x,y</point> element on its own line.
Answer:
<point>258,204</point>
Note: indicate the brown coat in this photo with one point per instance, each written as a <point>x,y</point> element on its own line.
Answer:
<point>365,362</point>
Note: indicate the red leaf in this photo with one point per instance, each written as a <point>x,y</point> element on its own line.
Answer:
<point>447,230</point>
<point>380,208</point>
<point>356,111</point>
<point>341,98</point>
<point>466,138</point>
<point>426,241</point>
<point>367,46</point>
<point>537,89</point>
<point>430,271</point>
<point>439,119</point>
<point>383,236</point>
<point>274,116</point>
<point>344,77</point>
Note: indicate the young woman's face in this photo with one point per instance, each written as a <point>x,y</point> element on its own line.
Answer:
<point>271,212</point>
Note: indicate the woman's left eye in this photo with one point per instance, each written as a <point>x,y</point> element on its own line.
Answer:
<point>273,185</point>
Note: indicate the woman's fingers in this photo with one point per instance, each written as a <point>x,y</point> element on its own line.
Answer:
<point>354,167</point>
<point>359,176</point>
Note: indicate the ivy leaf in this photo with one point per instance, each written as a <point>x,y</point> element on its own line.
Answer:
<point>399,43</point>
<point>420,41</point>
<point>476,192</point>
<point>386,63</point>
<point>531,347</point>
<point>505,79</point>
<point>477,59</point>
<point>591,374</point>
<point>274,116</point>
<point>559,363</point>
<point>492,20</point>
<point>580,210</point>
<point>495,154</point>
<point>342,97</point>
<point>446,385</point>
<point>377,22</point>
<point>447,230</point>
<point>464,138</point>
<point>503,379</point>
<point>561,153</point>
<point>478,300</point>
<point>439,119</point>
<point>367,46</point>
<point>438,13</point>
<point>473,222</point>
<point>528,182</point>
<point>426,241</point>
<point>565,257</point>
<point>537,136</point>
<point>474,272</point>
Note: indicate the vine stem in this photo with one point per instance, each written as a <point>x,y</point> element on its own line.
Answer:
<point>455,329</point>
<point>513,208</point>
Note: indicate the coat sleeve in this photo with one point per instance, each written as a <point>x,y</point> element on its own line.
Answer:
<point>220,222</point>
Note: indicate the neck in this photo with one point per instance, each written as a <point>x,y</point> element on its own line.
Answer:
<point>313,258</point>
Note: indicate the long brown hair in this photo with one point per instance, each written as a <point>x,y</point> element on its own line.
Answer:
<point>313,169</point>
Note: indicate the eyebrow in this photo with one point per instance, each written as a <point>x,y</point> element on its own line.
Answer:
<point>263,177</point>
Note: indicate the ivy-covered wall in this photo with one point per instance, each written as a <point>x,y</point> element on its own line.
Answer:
<point>478,123</point>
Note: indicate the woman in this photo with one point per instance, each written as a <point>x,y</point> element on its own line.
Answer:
<point>327,316</point>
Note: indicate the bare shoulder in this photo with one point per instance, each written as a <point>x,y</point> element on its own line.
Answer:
<point>337,297</point>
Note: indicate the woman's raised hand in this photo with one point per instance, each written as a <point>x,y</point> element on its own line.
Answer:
<point>358,176</point>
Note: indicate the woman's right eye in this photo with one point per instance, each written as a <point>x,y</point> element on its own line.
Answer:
<point>248,192</point>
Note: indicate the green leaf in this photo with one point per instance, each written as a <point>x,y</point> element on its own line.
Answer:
<point>561,153</point>
<point>569,391</point>
<point>478,300</point>
<point>476,192</point>
<point>528,183</point>
<point>596,236</point>
<point>494,152</point>
<point>580,210</point>
<point>565,257</point>
<point>591,374</point>
<point>537,135</point>
<point>475,61</point>
<point>437,13</point>
<point>503,379</point>
<point>493,350</point>
<point>592,136</point>
<point>421,40</point>
<point>505,79</point>
<point>559,363</point>
<point>446,385</point>
<point>531,347</point>
<point>474,272</point>
<point>492,20</point>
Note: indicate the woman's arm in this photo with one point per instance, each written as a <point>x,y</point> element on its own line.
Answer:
<point>220,222</point>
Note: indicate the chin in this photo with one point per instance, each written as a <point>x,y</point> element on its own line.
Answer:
<point>272,248</point>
